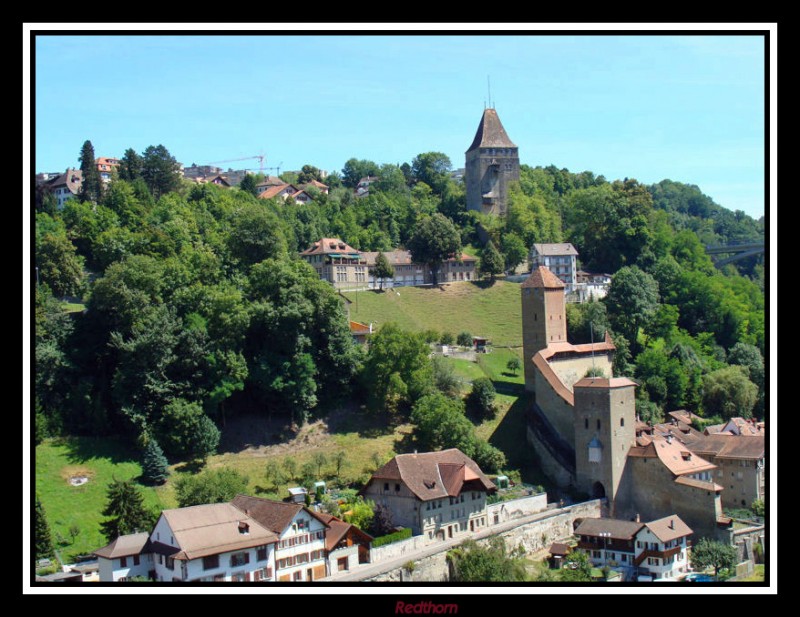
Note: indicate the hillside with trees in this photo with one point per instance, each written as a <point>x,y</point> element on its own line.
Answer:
<point>197,308</point>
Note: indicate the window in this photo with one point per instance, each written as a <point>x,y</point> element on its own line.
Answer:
<point>136,560</point>
<point>622,421</point>
<point>298,576</point>
<point>211,562</point>
<point>586,423</point>
<point>385,486</point>
<point>239,559</point>
<point>170,563</point>
<point>123,562</point>
<point>598,424</point>
<point>397,488</point>
<point>261,553</point>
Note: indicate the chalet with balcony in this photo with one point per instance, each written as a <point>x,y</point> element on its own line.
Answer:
<point>653,551</point>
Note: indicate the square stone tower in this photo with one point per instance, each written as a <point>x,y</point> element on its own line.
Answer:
<point>492,160</point>
<point>605,416</point>
<point>544,318</point>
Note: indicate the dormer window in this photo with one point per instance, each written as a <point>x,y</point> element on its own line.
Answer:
<point>244,528</point>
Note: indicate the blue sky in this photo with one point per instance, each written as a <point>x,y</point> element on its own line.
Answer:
<point>688,108</point>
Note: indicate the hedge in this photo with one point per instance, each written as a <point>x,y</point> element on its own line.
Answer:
<point>403,534</point>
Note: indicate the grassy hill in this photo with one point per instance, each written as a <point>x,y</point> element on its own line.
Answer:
<point>481,309</point>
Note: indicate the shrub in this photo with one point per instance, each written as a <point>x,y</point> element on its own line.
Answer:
<point>397,536</point>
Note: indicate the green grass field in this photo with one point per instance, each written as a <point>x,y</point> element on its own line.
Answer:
<point>101,460</point>
<point>481,309</point>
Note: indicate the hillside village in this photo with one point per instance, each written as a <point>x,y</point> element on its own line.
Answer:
<point>631,449</point>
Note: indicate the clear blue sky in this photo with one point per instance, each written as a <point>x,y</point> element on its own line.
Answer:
<point>688,108</point>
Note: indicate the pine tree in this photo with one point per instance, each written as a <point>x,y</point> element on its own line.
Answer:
<point>492,262</point>
<point>92,184</point>
<point>126,508</point>
<point>154,463</point>
<point>383,269</point>
<point>43,540</point>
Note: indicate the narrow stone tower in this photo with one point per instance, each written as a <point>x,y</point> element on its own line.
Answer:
<point>605,416</point>
<point>544,318</point>
<point>492,160</point>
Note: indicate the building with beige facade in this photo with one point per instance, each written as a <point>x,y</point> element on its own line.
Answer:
<point>436,494</point>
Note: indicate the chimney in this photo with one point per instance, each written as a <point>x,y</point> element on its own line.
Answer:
<point>637,518</point>
<point>669,437</point>
<point>671,523</point>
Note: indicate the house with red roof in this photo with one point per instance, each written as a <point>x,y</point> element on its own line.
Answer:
<point>440,495</point>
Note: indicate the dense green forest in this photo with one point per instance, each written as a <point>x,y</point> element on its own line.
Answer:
<point>198,308</point>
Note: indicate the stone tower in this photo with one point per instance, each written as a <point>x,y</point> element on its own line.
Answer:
<point>544,319</point>
<point>492,160</point>
<point>605,416</point>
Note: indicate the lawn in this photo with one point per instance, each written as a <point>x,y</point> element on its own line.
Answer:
<point>756,577</point>
<point>492,311</point>
<point>101,460</point>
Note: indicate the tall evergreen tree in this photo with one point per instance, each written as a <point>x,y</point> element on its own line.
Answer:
<point>492,262</point>
<point>160,171</point>
<point>154,463</point>
<point>92,184</point>
<point>383,269</point>
<point>126,508</point>
<point>42,538</point>
<point>130,166</point>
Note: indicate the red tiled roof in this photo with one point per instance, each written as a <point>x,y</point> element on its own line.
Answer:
<point>703,484</point>
<point>725,445</point>
<point>274,515</point>
<point>677,463</point>
<point>433,475</point>
<point>328,245</point>
<point>542,277</point>
<point>274,191</point>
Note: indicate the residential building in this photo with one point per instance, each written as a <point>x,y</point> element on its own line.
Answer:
<point>362,188</point>
<point>285,191</point>
<point>269,182</point>
<point>195,172</point>
<point>740,461</point>
<point>106,165</point>
<point>213,542</point>
<point>345,545</point>
<point>300,552</point>
<point>126,557</point>
<point>560,259</point>
<point>338,263</point>
<point>589,286</point>
<point>492,161</point>
<point>322,188</point>
<point>66,185</point>
<point>657,550</point>
<point>440,495</point>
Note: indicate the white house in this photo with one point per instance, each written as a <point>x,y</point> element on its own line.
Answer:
<point>213,542</point>
<point>656,550</point>
<point>66,185</point>
<point>126,557</point>
<point>300,548</point>
<point>560,258</point>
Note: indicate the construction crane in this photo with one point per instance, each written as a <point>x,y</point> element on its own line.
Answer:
<point>260,158</point>
<point>276,168</point>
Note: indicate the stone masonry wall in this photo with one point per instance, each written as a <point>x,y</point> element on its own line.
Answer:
<point>532,537</point>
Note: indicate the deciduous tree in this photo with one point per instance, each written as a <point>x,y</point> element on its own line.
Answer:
<point>711,553</point>
<point>383,269</point>
<point>433,240</point>
<point>211,486</point>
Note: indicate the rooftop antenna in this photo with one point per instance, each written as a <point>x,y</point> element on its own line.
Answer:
<point>591,335</point>
<point>489,89</point>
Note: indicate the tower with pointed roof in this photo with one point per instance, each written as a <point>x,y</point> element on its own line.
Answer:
<point>544,318</point>
<point>492,161</point>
